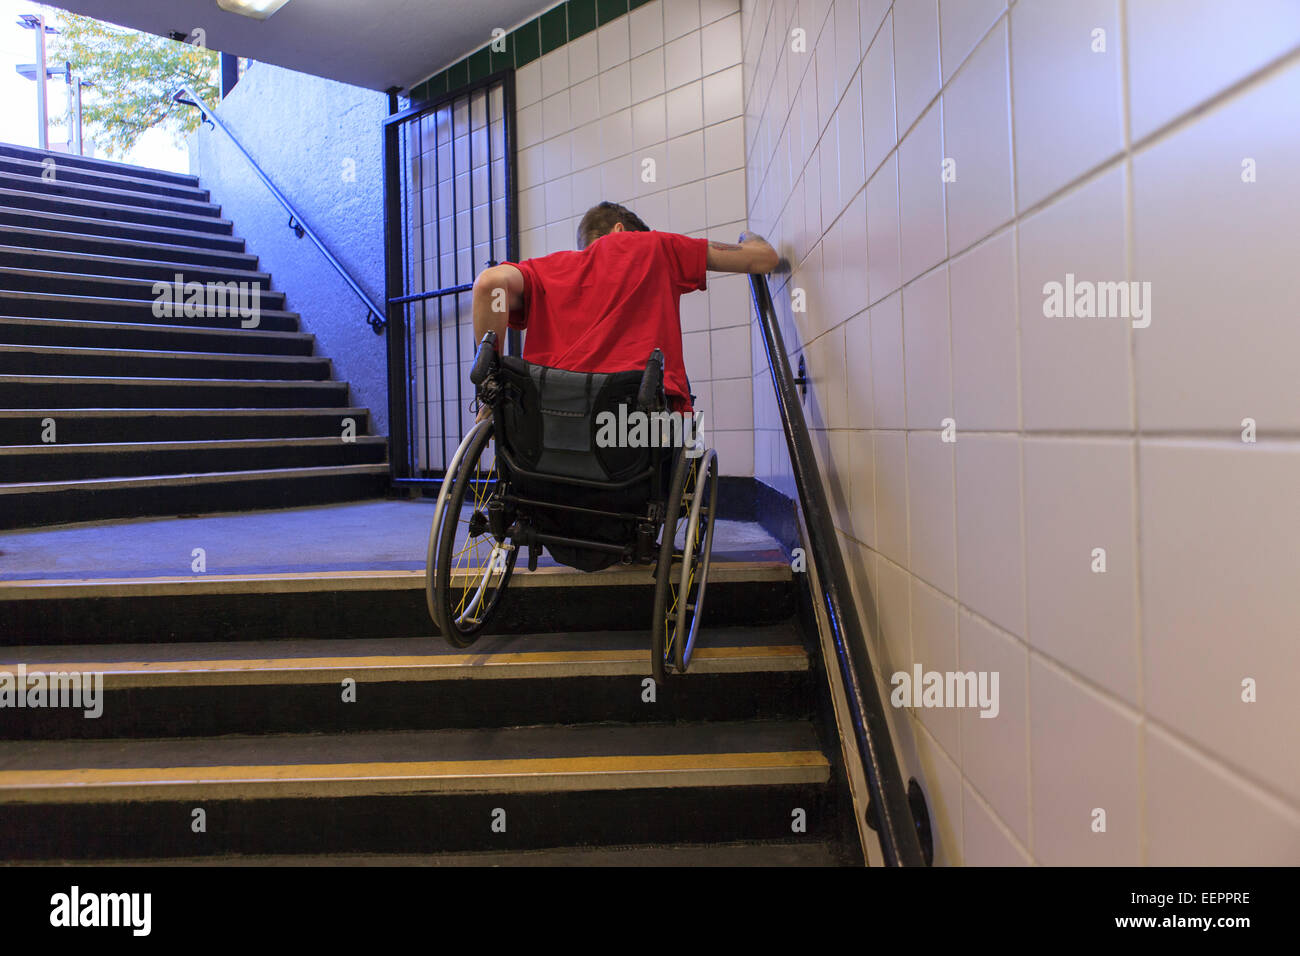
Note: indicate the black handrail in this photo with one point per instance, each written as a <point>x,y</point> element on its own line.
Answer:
<point>375,318</point>
<point>893,818</point>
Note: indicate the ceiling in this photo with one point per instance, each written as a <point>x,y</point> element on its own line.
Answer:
<point>376,43</point>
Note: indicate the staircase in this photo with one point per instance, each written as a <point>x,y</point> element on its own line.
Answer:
<point>231,733</point>
<point>110,410</point>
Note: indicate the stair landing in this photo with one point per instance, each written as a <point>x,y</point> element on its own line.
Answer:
<point>379,541</point>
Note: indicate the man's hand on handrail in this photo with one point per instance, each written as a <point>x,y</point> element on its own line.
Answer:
<point>752,254</point>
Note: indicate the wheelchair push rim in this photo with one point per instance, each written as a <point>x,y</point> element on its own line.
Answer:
<point>697,554</point>
<point>466,574</point>
<point>673,633</point>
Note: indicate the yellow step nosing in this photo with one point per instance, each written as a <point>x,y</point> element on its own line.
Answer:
<point>510,774</point>
<point>288,582</point>
<point>505,664</point>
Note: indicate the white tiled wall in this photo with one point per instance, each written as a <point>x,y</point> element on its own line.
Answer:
<point>661,84</point>
<point>1109,139</point>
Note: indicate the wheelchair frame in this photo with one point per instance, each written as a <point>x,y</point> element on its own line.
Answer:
<point>464,590</point>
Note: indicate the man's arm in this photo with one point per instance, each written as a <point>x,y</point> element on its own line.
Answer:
<point>751,254</point>
<point>498,291</point>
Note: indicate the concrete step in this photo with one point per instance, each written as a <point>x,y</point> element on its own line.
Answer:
<point>74,333</point>
<point>170,602</point>
<point>45,463</point>
<point>415,791</point>
<point>62,360</point>
<point>115,212</point>
<point>66,160</point>
<point>173,233</point>
<point>62,237</point>
<point>32,504</point>
<point>767,854</point>
<point>121,267</point>
<point>121,195</point>
<point>23,426</point>
<point>50,305</point>
<point>51,392</point>
<point>90,177</point>
<point>177,287</point>
<point>293,686</point>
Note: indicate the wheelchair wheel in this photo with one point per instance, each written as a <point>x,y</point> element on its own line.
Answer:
<point>683,575</point>
<point>468,568</point>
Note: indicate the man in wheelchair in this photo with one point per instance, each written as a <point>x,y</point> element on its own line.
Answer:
<point>603,343</point>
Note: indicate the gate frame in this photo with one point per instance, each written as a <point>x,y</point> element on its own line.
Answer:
<point>396,296</point>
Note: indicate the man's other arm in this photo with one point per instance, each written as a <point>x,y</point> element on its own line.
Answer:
<point>498,291</point>
<point>751,254</point>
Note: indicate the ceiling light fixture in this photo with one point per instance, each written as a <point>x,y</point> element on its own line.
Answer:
<point>257,9</point>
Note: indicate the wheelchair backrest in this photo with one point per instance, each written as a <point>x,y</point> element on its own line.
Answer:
<point>549,420</point>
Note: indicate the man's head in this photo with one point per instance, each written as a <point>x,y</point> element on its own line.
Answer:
<point>604,218</point>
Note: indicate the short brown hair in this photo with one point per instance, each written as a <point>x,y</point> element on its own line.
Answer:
<point>599,220</point>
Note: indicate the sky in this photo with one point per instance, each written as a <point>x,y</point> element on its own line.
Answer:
<point>18,123</point>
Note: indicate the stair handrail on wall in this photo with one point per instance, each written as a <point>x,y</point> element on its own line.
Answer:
<point>186,96</point>
<point>893,811</point>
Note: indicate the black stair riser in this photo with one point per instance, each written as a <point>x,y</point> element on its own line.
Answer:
<point>419,823</point>
<point>33,510</point>
<point>126,269</point>
<point>142,289</point>
<point>66,161</point>
<point>415,705</point>
<point>75,430</point>
<point>34,219</point>
<point>253,367</point>
<point>67,174</point>
<point>123,195</point>
<point>130,464</point>
<point>115,212</point>
<point>151,337</point>
<point>56,395</point>
<point>347,614</point>
<point>131,310</point>
<point>71,243</point>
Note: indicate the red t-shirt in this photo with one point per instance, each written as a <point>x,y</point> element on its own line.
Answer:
<point>607,307</point>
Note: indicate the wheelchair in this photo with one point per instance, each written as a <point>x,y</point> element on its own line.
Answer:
<point>541,473</point>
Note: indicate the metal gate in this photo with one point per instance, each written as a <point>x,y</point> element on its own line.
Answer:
<point>449,211</point>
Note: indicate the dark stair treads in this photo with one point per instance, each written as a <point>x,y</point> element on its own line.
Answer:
<point>50,305</point>
<point>90,334</point>
<point>42,503</point>
<point>81,362</point>
<point>88,264</point>
<point>114,287</point>
<point>53,237</point>
<point>418,790</point>
<point>88,425</point>
<point>67,160</point>
<point>42,463</point>
<point>291,686</point>
<point>62,391</point>
<point>254,606</point>
<point>754,854</point>
<point>581,757</point>
<point>142,197</point>
<point>15,216</point>
<point>114,212</point>
<point>87,177</point>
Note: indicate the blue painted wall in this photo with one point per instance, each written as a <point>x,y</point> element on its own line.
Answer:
<point>320,142</point>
